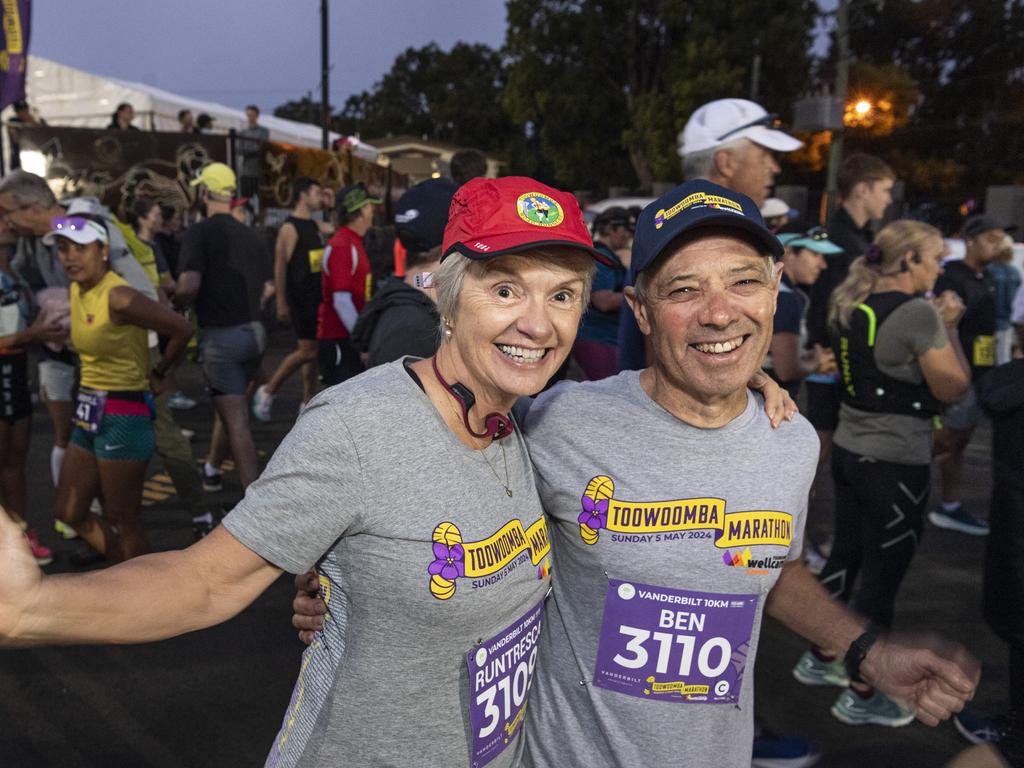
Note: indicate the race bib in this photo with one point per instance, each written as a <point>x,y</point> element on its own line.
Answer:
<point>674,645</point>
<point>984,352</point>
<point>89,409</point>
<point>316,260</point>
<point>500,674</point>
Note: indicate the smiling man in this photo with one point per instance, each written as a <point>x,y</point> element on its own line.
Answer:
<point>676,514</point>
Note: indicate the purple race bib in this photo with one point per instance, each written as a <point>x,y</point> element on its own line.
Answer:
<point>674,645</point>
<point>89,409</point>
<point>500,674</point>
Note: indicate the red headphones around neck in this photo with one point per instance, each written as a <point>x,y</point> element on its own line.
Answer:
<point>496,425</point>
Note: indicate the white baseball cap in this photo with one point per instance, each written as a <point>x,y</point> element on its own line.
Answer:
<point>77,229</point>
<point>725,120</point>
<point>773,207</point>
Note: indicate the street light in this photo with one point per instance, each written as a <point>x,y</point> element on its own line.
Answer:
<point>862,107</point>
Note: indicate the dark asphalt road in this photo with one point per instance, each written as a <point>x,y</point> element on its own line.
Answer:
<point>215,698</point>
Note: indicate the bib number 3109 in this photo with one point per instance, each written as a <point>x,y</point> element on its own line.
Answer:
<point>500,674</point>
<point>674,645</point>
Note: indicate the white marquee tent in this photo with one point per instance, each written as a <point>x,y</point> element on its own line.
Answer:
<point>67,96</point>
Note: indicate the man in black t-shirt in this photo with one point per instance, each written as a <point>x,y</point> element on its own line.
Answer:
<point>223,268</point>
<point>970,280</point>
<point>298,254</point>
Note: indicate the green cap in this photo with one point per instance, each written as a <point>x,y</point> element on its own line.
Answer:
<point>354,197</point>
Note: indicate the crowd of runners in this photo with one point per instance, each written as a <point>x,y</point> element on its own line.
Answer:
<point>598,422</point>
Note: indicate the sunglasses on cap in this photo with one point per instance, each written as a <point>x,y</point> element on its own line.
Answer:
<point>77,228</point>
<point>767,121</point>
<point>75,224</point>
<point>815,233</point>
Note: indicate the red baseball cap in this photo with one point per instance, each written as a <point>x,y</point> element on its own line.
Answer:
<point>495,217</point>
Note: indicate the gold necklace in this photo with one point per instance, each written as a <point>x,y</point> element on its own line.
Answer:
<point>504,457</point>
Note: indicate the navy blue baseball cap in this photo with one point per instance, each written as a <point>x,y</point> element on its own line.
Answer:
<point>694,205</point>
<point>422,214</point>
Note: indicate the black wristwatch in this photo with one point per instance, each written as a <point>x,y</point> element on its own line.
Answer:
<point>858,650</point>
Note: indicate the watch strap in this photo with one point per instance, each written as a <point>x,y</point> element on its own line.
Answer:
<point>858,650</point>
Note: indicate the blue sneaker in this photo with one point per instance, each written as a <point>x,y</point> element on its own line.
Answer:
<point>810,670</point>
<point>958,520</point>
<point>977,728</point>
<point>774,751</point>
<point>879,709</point>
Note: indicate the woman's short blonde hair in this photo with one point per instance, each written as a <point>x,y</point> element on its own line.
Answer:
<point>451,275</point>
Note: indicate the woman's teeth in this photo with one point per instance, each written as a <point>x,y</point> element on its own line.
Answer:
<point>520,353</point>
<point>720,347</point>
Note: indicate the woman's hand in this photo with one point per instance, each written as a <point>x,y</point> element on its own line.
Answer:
<point>777,403</point>
<point>157,383</point>
<point>20,577</point>
<point>950,306</point>
<point>826,360</point>
<point>46,329</point>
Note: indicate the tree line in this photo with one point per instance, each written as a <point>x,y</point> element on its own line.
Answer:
<point>589,94</point>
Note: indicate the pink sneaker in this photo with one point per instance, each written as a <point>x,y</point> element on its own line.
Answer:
<point>42,554</point>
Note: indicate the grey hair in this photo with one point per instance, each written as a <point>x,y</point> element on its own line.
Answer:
<point>698,165</point>
<point>28,189</point>
<point>450,277</point>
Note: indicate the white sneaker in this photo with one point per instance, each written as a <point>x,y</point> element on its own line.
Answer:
<point>261,403</point>
<point>814,561</point>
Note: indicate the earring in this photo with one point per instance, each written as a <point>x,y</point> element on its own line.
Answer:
<point>447,327</point>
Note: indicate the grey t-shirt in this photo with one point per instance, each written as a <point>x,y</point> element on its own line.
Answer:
<point>427,567</point>
<point>667,540</point>
<point>911,330</point>
<point>249,146</point>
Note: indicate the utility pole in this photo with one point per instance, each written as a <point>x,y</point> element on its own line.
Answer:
<point>325,107</point>
<point>835,155</point>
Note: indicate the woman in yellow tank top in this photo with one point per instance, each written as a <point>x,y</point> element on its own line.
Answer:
<point>113,436</point>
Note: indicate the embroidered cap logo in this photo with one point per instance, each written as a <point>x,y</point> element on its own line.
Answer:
<point>539,209</point>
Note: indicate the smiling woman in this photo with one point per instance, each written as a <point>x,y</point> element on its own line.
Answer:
<point>516,315</point>
<point>428,599</point>
<point>113,436</point>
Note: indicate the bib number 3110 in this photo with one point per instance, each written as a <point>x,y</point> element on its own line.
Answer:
<point>674,645</point>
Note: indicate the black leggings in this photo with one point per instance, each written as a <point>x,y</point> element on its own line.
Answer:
<point>879,518</point>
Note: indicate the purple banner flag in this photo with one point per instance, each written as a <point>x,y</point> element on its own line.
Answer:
<point>17,15</point>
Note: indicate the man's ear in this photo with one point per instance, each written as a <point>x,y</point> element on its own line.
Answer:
<point>777,269</point>
<point>639,310</point>
<point>724,163</point>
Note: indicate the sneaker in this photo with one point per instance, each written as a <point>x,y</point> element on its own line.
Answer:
<point>814,561</point>
<point>879,709</point>
<point>213,482</point>
<point>201,528</point>
<point>811,670</point>
<point>261,403</point>
<point>774,751</point>
<point>958,520</point>
<point>66,531</point>
<point>977,728</point>
<point>179,401</point>
<point>42,554</point>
